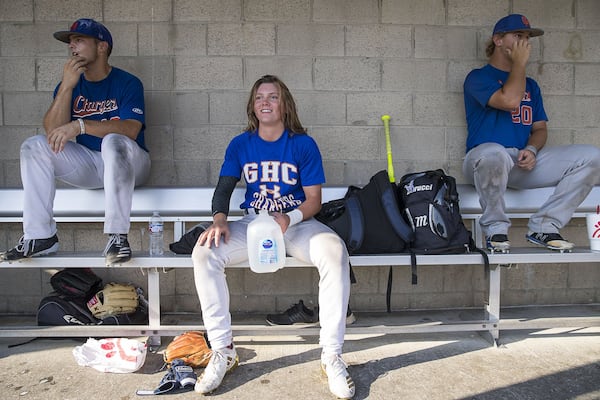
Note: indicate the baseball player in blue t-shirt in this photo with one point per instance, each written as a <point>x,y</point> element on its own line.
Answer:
<point>283,171</point>
<point>507,132</point>
<point>94,138</point>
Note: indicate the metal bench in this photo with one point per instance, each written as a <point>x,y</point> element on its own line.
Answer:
<point>181,206</point>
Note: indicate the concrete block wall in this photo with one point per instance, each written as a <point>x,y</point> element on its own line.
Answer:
<point>347,63</point>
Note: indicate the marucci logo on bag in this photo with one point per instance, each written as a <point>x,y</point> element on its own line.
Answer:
<point>411,188</point>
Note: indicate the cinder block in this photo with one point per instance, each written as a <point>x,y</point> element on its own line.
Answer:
<point>457,72</point>
<point>188,39</point>
<point>197,143</point>
<point>424,12</point>
<point>241,39</point>
<point>138,10</point>
<point>23,108</point>
<point>407,143</point>
<point>445,42</point>
<point>313,39</point>
<point>546,14</point>
<point>30,40</point>
<point>456,141</point>
<point>587,14</point>
<point>156,39</point>
<point>125,39</point>
<point>321,108</point>
<point>296,72</point>
<point>273,10</point>
<point>477,12</point>
<point>207,10</point>
<point>414,76</point>
<point>16,10</point>
<point>186,105</point>
<point>367,108</point>
<point>572,111</point>
<point>590,135</point>
<point>17,74</point>
<point>159,141</point>
<point>341,142</point>
<point>228,108</point>
<point>156,73</point>
<point>158,108</point>
<point>49,72</point>
<point>557,78</point>
<point>368,280</point>
<point>12,172</point>
<point>446,109</point>
<point>346,11</point>
<point>66,10</point>
<point>379,41</point>
<point>586,79</point>
<point>334,170</point>
<point>208,73</point>
<point>573,46</point>
<point>347,74</point>
<point>162,173</point>
<point>287,281</point>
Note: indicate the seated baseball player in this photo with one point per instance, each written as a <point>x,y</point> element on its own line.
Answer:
<point>94,138</point>
<point>506,143</point>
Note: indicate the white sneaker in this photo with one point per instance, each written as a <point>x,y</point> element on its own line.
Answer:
<point>221,362</point>
<point>340,382</point>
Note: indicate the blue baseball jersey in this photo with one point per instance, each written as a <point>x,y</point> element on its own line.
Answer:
<point>487,124</point>
<point>118,96</point>
<point>275,172</point>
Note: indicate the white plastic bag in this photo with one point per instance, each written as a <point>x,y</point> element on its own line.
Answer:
<point>119,355</point>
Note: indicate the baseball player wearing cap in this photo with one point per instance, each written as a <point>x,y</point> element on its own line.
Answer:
<point>507,133</point>
<point>94,137</point>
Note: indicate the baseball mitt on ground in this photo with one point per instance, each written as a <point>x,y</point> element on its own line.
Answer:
<point>192,347</point>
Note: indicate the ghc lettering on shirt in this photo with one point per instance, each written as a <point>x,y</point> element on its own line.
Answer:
<point>271,171</point>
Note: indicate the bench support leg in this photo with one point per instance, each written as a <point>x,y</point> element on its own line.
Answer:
<point>154,341</point>
<point>492,313</point>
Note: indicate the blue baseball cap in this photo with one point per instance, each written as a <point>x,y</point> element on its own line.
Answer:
<point>516,22</point>
<point>86,27</point>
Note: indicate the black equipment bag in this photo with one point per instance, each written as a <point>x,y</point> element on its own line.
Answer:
<point>430,204</point>
<point>57,310</point>
<point>76,283</point>
<point>368,219</point>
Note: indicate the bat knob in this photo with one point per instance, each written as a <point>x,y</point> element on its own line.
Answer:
<point>385,117</point>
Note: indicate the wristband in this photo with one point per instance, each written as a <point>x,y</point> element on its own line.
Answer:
<point>296,216</point>
<point>532,149</point>
<point>81,126</point>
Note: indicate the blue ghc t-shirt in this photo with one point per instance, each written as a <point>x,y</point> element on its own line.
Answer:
<point>486,124</point>
<point>118,96</point>
<point>275,172</point>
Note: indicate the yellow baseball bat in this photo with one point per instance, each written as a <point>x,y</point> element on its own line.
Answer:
<point>388,146</point>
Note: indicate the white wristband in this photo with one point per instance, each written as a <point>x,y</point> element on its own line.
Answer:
<point>532,149</point>
<point>81,126</point>
<point>296,216</point>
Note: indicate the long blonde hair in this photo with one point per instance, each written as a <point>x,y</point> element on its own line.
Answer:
<point>289,115</point>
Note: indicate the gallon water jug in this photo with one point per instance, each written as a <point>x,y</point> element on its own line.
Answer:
<point>266,248</point>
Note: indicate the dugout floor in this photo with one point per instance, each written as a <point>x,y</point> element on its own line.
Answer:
<point>560,363</point>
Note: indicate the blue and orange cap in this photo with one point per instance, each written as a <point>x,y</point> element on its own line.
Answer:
<point>516,22</point>
<point>86,27</point>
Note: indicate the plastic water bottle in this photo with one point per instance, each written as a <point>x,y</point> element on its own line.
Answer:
<point>156,229</point>
<point>266,248</point>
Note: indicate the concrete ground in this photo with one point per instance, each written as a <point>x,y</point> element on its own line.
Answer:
<point>542,364</point>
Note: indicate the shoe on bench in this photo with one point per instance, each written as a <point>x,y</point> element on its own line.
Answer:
<point>117,249</point>
<point>552,241</point>
<point>497,243</point>
<point>31,248</point>
<point>299,314</point>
